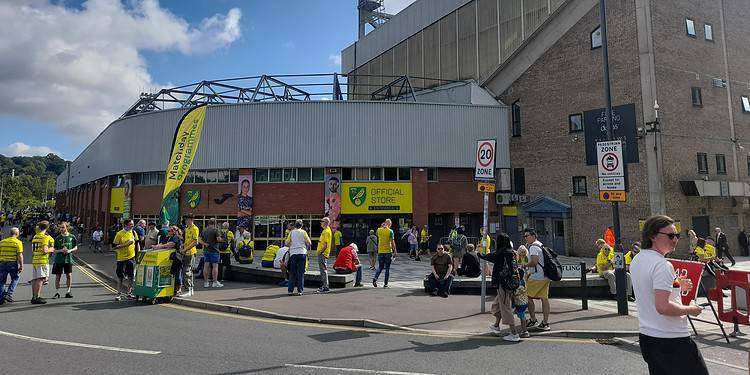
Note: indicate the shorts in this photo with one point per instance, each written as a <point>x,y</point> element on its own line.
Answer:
<point>537,288</point>
<point>521,311</point>
<point>40,271</point>
<point>210,257</point>
<point>125,268</point>
<point>62,268</point>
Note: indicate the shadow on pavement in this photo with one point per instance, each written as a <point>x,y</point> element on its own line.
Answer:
<point>340,336</point>
<point>444,320</point>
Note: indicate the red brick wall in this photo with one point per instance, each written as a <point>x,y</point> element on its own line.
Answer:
<point>146,199</point>
<point>455,192</point>
<point>420,196</point>
<point>303,198</point>
<point>207,205</point>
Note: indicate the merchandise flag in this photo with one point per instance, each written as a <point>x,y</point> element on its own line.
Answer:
<point>184,147</point>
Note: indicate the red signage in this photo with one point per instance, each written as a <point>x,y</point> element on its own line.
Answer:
<point>688,270</point>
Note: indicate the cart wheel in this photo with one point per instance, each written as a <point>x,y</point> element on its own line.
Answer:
<point>153,301</point>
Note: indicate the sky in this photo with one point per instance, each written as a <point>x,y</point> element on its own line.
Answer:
<point>70,68</point>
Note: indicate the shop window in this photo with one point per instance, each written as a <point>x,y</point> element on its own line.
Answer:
<point>261,175</point>
<point>376,174</point>
<point>390,174</point>
<point>304,174</point>
<point>432,174</point>
<point>318,174</point>
<point>404,174</point>
<point>290,175</point>
<point>275,175</point>
<point>575,123</point>
<point>346,174</point>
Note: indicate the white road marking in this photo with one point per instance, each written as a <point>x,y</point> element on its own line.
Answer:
<point>78,344</point>
<point>365,371</point>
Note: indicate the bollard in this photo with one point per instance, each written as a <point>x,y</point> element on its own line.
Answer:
<point>584,288</point>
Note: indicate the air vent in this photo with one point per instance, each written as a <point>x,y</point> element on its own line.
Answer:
<point>718,82</point>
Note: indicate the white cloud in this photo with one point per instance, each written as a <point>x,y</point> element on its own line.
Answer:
<point>335,59</point>
<point>22,149</point>
<point>79,69</point>
<point>395,6</point>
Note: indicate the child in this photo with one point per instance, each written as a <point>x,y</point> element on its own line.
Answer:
<point>520,304</point>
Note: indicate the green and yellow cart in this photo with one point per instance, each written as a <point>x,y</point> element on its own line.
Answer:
<point>153,280</point>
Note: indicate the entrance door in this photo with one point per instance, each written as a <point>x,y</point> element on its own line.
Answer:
<point>541,231</point>
<point>558,236</point>
<point>701,226</point>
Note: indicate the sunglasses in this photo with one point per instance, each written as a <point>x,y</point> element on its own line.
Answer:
<point>671,236</point>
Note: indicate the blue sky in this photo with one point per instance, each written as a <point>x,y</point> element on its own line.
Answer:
<point>79,67</point>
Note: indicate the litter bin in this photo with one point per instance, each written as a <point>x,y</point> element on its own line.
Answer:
<point>153,279</point>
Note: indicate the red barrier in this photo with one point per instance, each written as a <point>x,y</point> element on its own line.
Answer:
<point>688,270</point>
<point>737,282</point>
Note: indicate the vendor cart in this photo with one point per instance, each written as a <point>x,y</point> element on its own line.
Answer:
<point>153,279</point>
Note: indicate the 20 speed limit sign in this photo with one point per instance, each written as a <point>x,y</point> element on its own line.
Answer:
<point>485,160</point>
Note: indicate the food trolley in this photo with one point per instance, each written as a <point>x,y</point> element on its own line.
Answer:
<point>153,280</point>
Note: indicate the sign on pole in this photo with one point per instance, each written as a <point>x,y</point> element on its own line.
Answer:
<point>611,170</point>
<point>485,160</point>
<point>485,187</point>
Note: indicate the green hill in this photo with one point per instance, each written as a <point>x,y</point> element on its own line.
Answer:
<point>35,178</point>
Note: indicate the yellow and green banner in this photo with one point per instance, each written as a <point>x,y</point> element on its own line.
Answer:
<point>376,198</point>
<point>184,147</point>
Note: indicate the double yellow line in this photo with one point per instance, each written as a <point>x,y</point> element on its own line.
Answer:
<point>95,278</point>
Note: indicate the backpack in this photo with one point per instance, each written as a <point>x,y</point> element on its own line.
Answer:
<point>552,267</point>
<point>509,277</point>
<point>245,251</point>
<point>456,242</point>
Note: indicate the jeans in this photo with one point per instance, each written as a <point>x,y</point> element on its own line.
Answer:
<point>323,265</point>
<point>384,261</point>
<point>611,280</point>
<point>357,277</point>
<point>297,272</point>
<point>442,286</point>
<point>8,269</point>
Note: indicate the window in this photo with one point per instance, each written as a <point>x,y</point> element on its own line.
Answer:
<point>190,178</point>
<point>234,175</point>
<point>390,174</point>
<point>748,165</point>
<point>516,119</point>
<point>223,177</point>
<point>745,104</point>
<point>304,174</point>
<point>432,173</point>
<point>160,178</point>
<point>261,175</point>
<point>579,185</point>
<point>275,175</point>
<point>690,27</point>
<point>709,32</point>
<point>697,98</point>
<point>362,174</point>
<point>145,178</point>
<point>376,174</point>
<point>596,38</point>
<point>702,163</point>
<point>290,174</point>
<point>721,164</point>
<point>404,174</point>
<point>200,177</point>
<point>318,174</point>
<point>575,123</point>
<point>346,174</point>
<point>519,180</point>
<point>211,177</point>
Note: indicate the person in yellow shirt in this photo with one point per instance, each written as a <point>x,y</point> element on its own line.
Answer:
<point>324,251</point>
<point>192,236</point>
<point>485,247</point>
<point>631,254</point>
<point>386,252</point>
<point>245,248</point>
<point>42,245</point>
<point>11,264</point>
<point>269,255</point>
<point>124,245</point>
<point>336,242</point>
<point>704,251</point>
<point>424,240</point>
<point>605,268</point>
<point>225,254</point>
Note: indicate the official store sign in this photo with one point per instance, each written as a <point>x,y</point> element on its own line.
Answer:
<point>376,198</point>
<point>485,160</point>
<point>610,166</point>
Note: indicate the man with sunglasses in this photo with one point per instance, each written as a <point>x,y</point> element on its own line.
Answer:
<point>664,337</point>
<point>537,286</point>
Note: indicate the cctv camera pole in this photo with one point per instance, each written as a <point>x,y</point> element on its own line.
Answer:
<point>621,280</point>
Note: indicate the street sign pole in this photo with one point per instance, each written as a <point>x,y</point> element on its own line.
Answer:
<point>486,233</point>
<point>620,278</point>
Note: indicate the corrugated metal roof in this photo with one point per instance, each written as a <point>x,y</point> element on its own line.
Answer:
<point>300,134</point>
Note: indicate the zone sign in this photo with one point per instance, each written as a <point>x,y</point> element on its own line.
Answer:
<point>485,160</point>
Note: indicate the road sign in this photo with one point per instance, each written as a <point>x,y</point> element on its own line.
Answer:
<point>610,165</point>
<point>485,160</point>
<point>485,187</point>
<point>571,271</point>
<point>613,196</point>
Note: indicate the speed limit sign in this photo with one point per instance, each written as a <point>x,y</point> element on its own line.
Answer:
<point>485,160</point>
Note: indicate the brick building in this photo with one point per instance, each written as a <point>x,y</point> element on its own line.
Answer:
<point>543,60</point>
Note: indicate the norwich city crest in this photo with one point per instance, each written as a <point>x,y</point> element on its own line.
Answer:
<point>193,198</point>
<point>357,195</point>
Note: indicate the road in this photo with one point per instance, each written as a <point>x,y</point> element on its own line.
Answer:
<point>94,334</point>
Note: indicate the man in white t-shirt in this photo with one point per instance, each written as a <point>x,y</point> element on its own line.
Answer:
<point>665,340</point>
<point>537,286</point>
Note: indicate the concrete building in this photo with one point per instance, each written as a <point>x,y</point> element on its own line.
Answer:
<point>543,59</point>
<point>409,161</point>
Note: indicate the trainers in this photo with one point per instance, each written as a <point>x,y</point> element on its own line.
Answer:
<point>299,293</point>
<point>524,335</point>
<point>494,328</point>
<point>68,295</point>
<point>531,323</point>
<point>206,284</point>
<point>119,297</point>
<point>56,296</point>
<point>543,326</point>
<point>512,338</point>
<point>9,299</point>
<point>358,285</point>
<point>2,301</point>
<point>385,285</point>
<point>374,283</point>
<point>631,298</point>
<point>218,284</point>
<point>322,291</point>
<point>38,301</point>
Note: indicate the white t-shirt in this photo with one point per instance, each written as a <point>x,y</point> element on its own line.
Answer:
<point>279,256</point>
<point>537,273</point>
<point>97,235</point>
<point>298,244</point>
<point>650,271</point>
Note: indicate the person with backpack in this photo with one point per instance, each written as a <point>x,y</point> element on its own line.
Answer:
<point>458,244</point>
<point>537,286</point>
<point>506,279</point>
<point>245,247</point>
